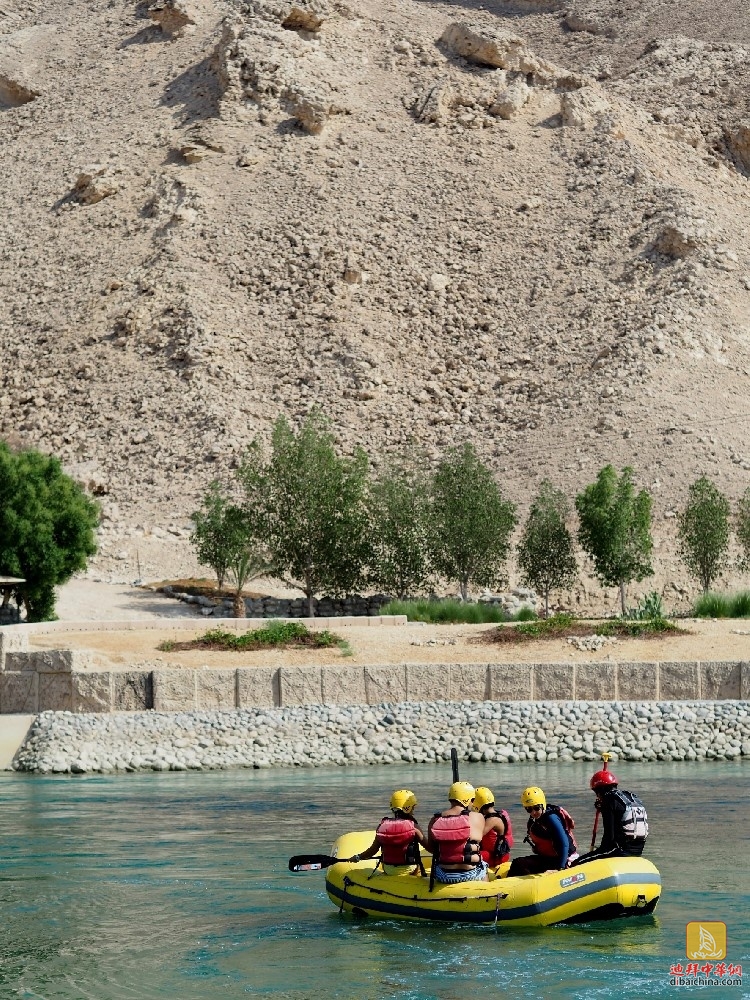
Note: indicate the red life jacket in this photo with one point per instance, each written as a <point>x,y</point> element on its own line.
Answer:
<point>395,836</point>
<point>539,832</point>
<point>496,849</point>
<point>452,836</point>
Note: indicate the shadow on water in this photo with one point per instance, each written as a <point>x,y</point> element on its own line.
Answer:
<point>175,885</point>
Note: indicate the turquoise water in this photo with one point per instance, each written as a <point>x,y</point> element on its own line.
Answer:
<point>174,885</point>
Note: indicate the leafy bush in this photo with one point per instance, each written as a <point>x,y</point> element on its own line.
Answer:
<point>276,633</point>
<point>564,626</point>
<point>648,608</point>
<point>634,629</point>
<point>546,628</point>
<point>714,605</point>
<point>449,612</point>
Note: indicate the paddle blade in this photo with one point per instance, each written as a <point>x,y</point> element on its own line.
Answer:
<point>454,763</point>
<point>310,862</point>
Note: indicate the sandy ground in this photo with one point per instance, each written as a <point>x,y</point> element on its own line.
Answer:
<point>89,600</point>
<point>415,643</point>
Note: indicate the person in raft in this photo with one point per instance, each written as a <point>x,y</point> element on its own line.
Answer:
<point>497,839</point>
<point>398,838</point>
<point>549,831</point>
<point>454,838</point>
<point>624,820</point>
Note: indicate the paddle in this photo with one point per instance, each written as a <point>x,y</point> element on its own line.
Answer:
<point>605,758</point>
<point>454,763</point>
<point>311,862</point>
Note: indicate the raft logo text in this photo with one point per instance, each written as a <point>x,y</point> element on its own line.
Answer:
<point>706,939</point>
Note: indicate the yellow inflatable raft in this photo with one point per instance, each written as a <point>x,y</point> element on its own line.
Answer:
<point>597,890</point>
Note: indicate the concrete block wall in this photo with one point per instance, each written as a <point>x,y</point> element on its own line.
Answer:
<point>62,680</point>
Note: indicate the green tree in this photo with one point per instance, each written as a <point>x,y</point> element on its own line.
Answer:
<point>703,532</point>
<point>399,511</point>
<point>309,506</point>
<point>248,558</point>
<point>743,528</point>
<point>471,521</point>
<point>47,526</point>
<point>218,534</point>
<point>615,529</point>
<point>545,553</point>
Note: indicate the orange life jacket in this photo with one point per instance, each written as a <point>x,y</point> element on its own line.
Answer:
<point>452,837</point>
<point>539,832</point>
<point>395,837</point>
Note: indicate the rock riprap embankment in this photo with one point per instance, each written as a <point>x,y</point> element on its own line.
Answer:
<point>319,735</point>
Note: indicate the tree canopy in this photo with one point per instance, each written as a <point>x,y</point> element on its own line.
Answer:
<point>309,506</point>
<point>399,511</point>
<point>615,529</point>
<point>47,526</point>
<point>218,532</point>
<point>703,531</point>
<point>546,556</point>
<point>471,521</point>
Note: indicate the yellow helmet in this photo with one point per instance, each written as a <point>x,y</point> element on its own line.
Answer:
<point>533,796</point>
<point>403,800</point>
<point>461,791</point>
<point>483,797</point>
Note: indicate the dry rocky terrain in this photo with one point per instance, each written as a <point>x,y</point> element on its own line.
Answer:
<point>522,223</point>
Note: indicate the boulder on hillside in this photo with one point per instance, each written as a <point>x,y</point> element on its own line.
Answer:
<point>277,70</point>
<point>173,16</point>
<point>503,50</point>
<point>94,183</point>
<point>585,107</point>
<point>510,101</point>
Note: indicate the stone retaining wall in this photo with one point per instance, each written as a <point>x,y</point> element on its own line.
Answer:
<point>65,680</point>
<point>285,607</point>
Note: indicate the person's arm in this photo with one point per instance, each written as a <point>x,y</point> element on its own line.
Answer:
<point>371,851</point>
<point>560,839</point>
<point>421,837</point>
<point>494,823</point>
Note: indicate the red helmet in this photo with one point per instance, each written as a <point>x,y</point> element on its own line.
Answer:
<point>601,779</point>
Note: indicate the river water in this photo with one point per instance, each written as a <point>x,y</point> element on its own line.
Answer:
<point>174,885</point>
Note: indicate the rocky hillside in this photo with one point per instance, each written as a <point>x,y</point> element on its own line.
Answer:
<point>526,225</point>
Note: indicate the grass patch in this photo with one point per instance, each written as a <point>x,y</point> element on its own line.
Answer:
<point>566,626</point>
<point>714,605</point>
<point>276,634</point>
<point>453,612</point>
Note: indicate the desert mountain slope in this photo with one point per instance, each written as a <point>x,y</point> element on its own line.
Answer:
<point>522,224</point>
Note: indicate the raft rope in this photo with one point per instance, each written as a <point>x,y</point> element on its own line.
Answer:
<point>435,899</point>
<point>347,881</point>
